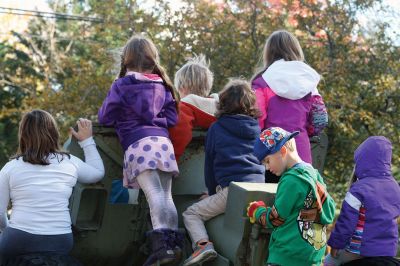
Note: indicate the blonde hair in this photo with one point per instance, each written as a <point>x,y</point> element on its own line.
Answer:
<point>291,145</point>
<point>141,55</point>
<point>281,44</point>
<point>195,76</point>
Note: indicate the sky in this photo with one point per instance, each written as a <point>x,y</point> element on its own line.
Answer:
<point>392,19</point>
<point>18,23</point>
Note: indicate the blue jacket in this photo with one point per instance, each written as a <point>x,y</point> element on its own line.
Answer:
<point>229,152</point>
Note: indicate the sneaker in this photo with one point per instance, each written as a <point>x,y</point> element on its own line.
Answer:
<point>203,252</point>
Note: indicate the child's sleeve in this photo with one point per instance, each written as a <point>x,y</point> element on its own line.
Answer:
<point>288,194</point>
<point>262,104</point>
<point>263,96</point>
<point>318,117</point>
<point>4,197</point>
<point>181,133</point>
<point>202,120</point>
<point>170,110</point>
<point>348,218</point>
<point>110,110</point>
<point>328,205</point>
<point>209,163</point>
<point>92,170</point>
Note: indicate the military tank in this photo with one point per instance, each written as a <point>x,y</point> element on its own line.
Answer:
<point>109,233</point>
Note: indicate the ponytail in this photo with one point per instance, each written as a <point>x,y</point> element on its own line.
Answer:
<point>123,69</point>
<point>159,70</point>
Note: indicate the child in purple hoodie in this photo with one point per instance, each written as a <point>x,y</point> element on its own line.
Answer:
<point>367,225</point>
<point>287,95</point>
<point>141,106</point>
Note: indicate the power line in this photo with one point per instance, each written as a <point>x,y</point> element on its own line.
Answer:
<point>44,14</point>
<point>55,17</point>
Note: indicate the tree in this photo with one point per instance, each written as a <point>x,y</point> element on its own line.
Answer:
<point>18,81</point>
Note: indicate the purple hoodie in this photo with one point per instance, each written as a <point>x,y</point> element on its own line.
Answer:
<point>138,106</point>
<point>367,222</point>
<point>287,97</point>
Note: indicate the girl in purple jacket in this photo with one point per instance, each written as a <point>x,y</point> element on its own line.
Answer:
<point>367,225</point>
<point>141,105</point>
<point>287,95</point>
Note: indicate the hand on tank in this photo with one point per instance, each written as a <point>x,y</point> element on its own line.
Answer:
<point>256,212</point>
<point>84,129</point>
<point>334,252</point>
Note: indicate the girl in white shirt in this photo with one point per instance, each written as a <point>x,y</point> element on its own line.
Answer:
<point>39,181</point>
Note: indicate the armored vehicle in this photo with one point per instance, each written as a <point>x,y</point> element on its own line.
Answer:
<point>114,234</point>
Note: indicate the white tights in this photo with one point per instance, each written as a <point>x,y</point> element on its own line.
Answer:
<point>157,188</point>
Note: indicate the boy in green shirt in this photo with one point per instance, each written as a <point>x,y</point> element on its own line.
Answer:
<point>302,209</point>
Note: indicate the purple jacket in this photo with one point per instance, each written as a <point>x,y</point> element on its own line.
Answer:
<point>287,97</point>
<point>367,222</point>
<point>138,106</point>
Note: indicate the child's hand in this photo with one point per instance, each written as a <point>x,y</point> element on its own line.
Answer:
<point>255,210</point>
<point>84,129</point>
<point>263,220</point>
<point>334,252</point>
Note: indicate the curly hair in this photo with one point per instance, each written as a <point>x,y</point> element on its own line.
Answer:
<point>237,97</point>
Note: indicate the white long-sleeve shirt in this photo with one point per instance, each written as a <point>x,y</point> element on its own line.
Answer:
<point>40,193</point>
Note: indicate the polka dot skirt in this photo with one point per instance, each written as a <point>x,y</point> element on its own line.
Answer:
<point>148,153</point>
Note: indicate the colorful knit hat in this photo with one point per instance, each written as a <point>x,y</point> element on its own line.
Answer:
<point>271,140</point>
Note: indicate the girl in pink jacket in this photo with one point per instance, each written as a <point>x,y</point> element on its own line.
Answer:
<point>287,94</point>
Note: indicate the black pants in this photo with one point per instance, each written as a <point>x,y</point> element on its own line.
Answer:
<point>14,242</point>
<point>374,261</point>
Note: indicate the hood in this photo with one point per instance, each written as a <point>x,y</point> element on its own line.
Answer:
<point>136,78</point>
<point>291,79</point>
<point>373,158</point>
<point>242,126</point>
<point>205,104</point>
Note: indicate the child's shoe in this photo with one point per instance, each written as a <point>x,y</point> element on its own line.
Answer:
<point>204,251</point>
<point>176,243</point>
<point>161,252</point>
